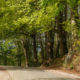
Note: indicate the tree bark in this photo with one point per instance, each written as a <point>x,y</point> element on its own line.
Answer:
<point>25,52</point>
<point>5,58</point>
<point>74,37</point>
<point>42,48</point>
<point>62,35</point>
<point>34,48</point>
<point>49,41</point>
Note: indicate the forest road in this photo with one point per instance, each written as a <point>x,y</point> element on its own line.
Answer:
<point>15,73</point>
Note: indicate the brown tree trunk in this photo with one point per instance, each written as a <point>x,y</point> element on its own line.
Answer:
<point>25,52</point>
<point>49,41</point>
<point>74,37</point>
<point>5,58</point>
<point>57,47</point>
<point>46,48</point>
<point>42,48</point>
<point>34,48</point>
<point>65,10</point>
<point>74,25</point>
<point>62,35</point>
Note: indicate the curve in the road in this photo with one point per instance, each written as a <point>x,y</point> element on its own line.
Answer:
<point>4,75</point>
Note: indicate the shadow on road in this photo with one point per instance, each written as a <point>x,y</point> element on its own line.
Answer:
<point>20,68</point>
<point>58,79</point>
<point>54,79</point>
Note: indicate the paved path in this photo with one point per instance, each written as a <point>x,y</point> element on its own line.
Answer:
<point>4,75</point>
<point>34,74</point>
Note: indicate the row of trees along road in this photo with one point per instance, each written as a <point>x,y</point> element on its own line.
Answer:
<point>39,31</point>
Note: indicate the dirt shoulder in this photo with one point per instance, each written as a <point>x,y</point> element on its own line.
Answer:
<point>62,69</point>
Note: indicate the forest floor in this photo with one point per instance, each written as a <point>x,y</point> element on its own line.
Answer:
<point>62,69</point>
<point>16,73</point>
<point>58,64</point>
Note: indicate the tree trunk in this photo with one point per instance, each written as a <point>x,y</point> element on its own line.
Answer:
<point>49,41</point>
<point>73,25</point>
<point>62,35</point>
<point>57,47</point>
<point>74,37</point>
<point>25,52</point>
<point>5,58</point>
<point>42,48</point>
<point>65,10</point>
<point>34,49</point>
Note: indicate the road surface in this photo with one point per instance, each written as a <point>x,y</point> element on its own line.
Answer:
<point>14,73</point>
